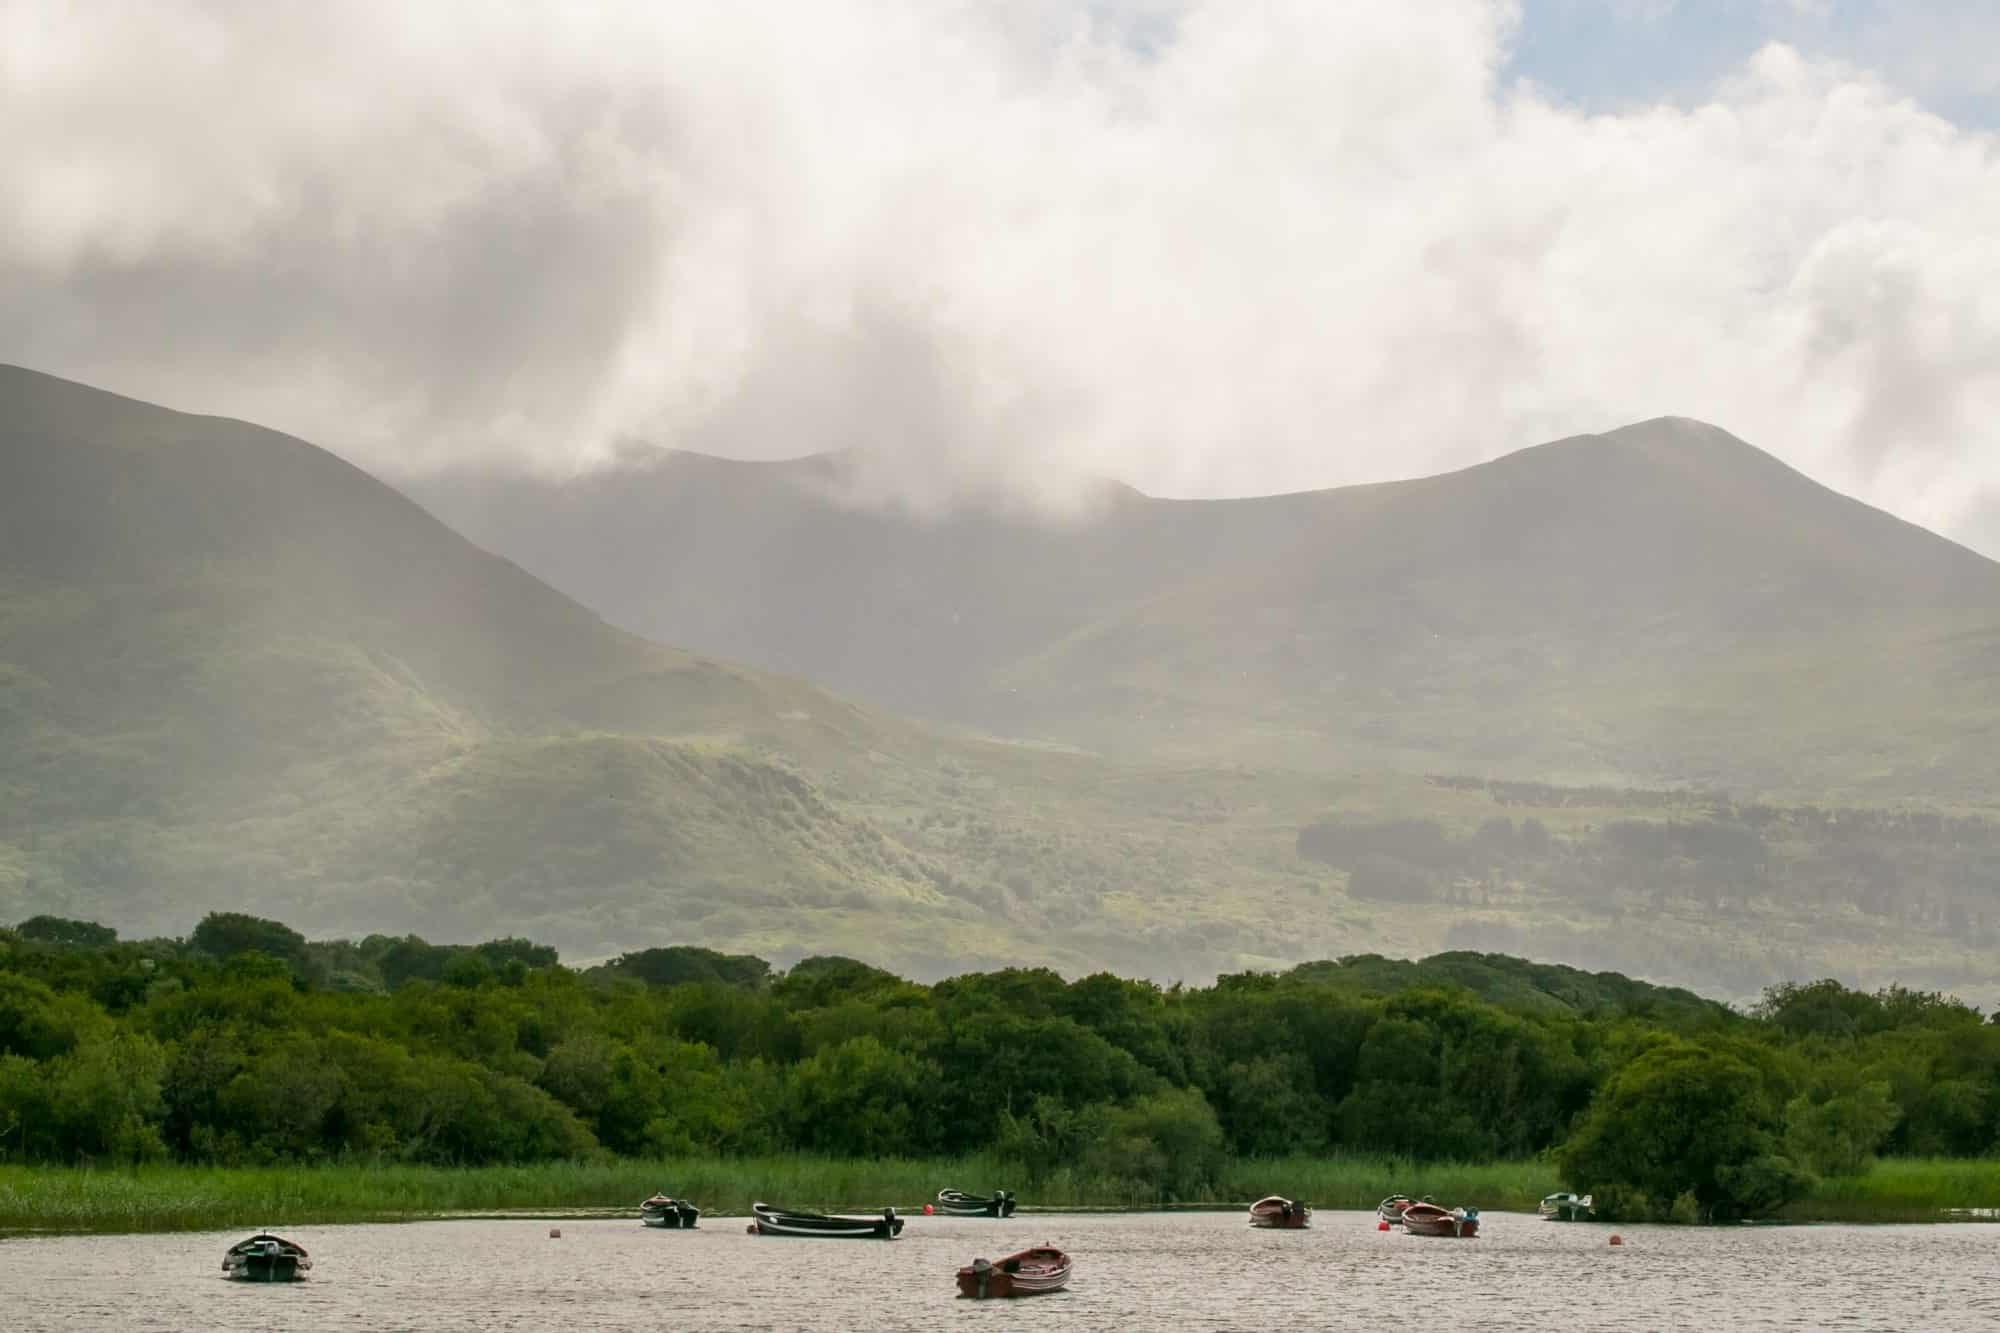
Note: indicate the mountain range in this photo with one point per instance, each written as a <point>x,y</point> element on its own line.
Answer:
<point>1661,604</point>
<point>238,673</point>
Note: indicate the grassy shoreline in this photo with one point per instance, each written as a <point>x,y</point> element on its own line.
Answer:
<point>190,1198</point>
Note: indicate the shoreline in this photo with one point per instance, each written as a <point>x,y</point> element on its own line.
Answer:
<point>45,1200</point>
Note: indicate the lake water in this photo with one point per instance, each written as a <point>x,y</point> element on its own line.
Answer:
<point>1133,1271</point>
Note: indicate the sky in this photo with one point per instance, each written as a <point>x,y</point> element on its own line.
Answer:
<point>1207,248</point>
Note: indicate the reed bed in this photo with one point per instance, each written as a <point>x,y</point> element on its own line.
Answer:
<point>1908,1189</point>
<point>1363,1182</point>
<point>195,1198</point>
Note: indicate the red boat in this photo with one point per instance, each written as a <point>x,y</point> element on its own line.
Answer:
<point>1030,1273</point>
<point>1427,1219</point>
<point>1280,1213</point>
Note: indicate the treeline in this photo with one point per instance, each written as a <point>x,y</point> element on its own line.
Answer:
<point>245,1043</point>
<point>1917,868</point>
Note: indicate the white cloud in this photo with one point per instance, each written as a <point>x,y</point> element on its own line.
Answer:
<point>1205,247</point>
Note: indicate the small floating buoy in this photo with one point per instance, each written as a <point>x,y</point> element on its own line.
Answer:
<point>927,1210</point>
<point>1381,1226</point>
<point>555,1233</point>
<point>751,1229</point>
<point>1617,1239</point>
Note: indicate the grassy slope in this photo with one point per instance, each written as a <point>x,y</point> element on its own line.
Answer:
<point>240,670</point>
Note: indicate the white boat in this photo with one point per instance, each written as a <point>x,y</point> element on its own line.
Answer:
<point>1566,1208</point>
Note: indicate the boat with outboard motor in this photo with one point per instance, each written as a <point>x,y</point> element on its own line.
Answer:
<point>770,1220</point>
<point>1280,1214</point>
<point>266,1258</point>
<point>1429,1219</point>
<point>665,1211</point>
<point>1567,1208</point>
<point>957,1203</point>
<point>1033,1272</point>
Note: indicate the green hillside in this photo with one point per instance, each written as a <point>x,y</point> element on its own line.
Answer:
<point>238,668</point>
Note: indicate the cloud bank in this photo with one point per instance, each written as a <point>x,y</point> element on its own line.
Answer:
<point>1209,248</point>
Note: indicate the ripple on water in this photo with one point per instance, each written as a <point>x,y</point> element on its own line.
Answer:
<point>1134,1271</point>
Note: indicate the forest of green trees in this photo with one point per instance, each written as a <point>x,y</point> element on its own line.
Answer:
<point>247,1044</point>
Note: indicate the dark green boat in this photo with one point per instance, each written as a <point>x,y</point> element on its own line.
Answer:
<point>266,1258</point>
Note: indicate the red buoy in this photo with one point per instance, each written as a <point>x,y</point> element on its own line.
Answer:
<point>927,1210</point>
<point>1381,1226</point>
<point>1617,1239</point>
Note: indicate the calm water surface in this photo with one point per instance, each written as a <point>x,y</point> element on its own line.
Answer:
<point>1198,1271</point>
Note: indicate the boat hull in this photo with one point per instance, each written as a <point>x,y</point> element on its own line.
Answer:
<point>266,1258</point>
<point>669,1221</point>
<point>269,1268</point>
<point>824,1226</point>
<point>1431,1221</point>
<point>1277,1214</point>
<point>1567,1208</point>
<point>1033,1273</point>
<point>669,1214</point>
<point>954,1204</point>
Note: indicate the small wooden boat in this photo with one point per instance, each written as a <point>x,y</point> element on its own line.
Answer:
<point>1390,1210</point>
<point>768,1220</point>
<point>1428,1219</point>
<point>664,1211</point>
<point>266,1258</point>
<point>1567,1208</point>
<point>1280,1213</point>
<point>1033,1272</point>
<point>957,1203</point>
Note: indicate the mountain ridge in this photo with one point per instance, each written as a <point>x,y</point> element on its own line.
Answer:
<point>1401,624</point>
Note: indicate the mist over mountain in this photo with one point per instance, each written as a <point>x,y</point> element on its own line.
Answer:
<point>237,673</point>
<point>1658,604</point>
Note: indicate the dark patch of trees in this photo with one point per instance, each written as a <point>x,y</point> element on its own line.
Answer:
<point>1921,869</point>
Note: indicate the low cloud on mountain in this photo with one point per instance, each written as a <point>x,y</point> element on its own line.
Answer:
<point>1207,248</point>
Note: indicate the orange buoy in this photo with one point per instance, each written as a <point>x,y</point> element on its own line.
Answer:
<point>1617,1239</point>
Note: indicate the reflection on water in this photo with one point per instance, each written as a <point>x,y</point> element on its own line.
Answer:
<point>1200,1271</point>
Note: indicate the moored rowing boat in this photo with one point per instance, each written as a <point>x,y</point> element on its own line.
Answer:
<point>665,1211</point>
<point>1390,1210</point>
<point>1032,1272</point>
<point>1279,1213</point>
<point>957,1203</point>
<point>1428,1219</point>
<point>1567,1207</point>
<point>266,1258</point>
<point>773,1221</point>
